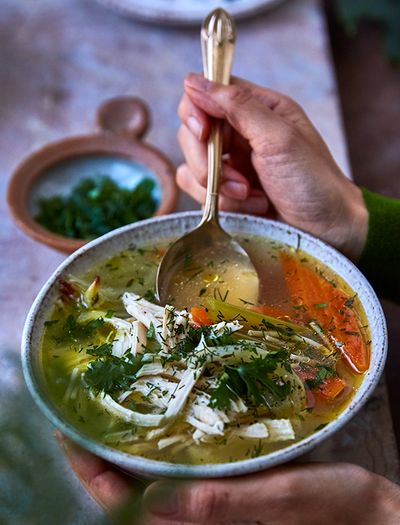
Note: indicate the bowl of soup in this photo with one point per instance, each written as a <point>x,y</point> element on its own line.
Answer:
<point>204,386</point>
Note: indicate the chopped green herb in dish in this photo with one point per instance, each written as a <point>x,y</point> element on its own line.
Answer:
<point>96,206</point>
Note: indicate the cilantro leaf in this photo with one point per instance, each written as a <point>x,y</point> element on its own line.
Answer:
<point>111,374</point>
<point>152,344</point>
<point>222,395</point>
<point>254,381</point>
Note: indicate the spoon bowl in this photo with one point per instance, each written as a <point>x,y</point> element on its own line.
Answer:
<point>207,261</point>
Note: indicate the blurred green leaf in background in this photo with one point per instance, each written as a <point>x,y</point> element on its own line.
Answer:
<point>384,13</point>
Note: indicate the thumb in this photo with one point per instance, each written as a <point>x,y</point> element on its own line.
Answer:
<point>208,502</point>
<point>106,485</point>
<point>237,103</point>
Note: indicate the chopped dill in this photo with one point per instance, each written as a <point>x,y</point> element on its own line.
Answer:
<point>50,323</point>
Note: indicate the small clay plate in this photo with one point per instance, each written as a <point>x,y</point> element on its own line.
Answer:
<point>116,150</point>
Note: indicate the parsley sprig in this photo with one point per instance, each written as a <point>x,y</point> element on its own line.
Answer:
<point>254,381</point>
<point>111,374</point>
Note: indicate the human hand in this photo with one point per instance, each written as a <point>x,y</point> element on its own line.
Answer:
<point>277,165</point>
<point>314,494</point>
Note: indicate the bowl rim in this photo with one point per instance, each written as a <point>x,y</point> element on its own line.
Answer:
<point>155,468</point>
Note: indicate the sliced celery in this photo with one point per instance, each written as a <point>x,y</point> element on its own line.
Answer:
<point>221,311</point>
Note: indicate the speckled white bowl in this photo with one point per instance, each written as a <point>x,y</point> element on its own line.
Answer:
<point>187,12</point>
<point>160,228</point>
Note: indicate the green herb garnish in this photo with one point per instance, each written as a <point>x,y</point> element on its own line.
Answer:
<point>72,331</point>
<point>50,323</point>
<point>151,332</point>
<point>110,374</point>
<point>150,296</point>
<point>257,449</point>
<point>100,350</point>
<point>253,381</point>
<point>323,373</point>
<point>349,302</point>
<point>95,206</point>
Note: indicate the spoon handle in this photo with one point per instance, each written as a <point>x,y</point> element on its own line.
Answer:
<point>218,37</point>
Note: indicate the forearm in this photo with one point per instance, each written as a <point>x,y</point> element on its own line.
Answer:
<point>380,258</point>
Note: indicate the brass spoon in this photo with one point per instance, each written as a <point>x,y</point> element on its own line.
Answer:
<point>207,260</point>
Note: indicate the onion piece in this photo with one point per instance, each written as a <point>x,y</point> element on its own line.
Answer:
<point>143,420</point>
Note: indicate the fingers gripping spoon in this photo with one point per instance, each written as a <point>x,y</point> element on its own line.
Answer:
<point>208,261</point>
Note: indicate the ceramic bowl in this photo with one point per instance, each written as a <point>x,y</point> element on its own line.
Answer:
<point>187,12</point>
<point>158,229</point>
<point>116,150</point>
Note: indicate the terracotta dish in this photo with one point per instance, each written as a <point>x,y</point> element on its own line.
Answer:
<point>117,146</point>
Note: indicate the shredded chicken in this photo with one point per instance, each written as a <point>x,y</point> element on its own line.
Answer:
<point>178,388</point>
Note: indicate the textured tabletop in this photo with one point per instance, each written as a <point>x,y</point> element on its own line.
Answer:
<point>58,60</point>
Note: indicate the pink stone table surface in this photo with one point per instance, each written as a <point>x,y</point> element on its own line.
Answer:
<point>58,60</point>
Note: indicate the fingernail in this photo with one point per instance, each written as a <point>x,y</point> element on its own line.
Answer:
<point>197,82</point>
<point>195,126</point>
<point>162,501</point>
<point>235,190</point>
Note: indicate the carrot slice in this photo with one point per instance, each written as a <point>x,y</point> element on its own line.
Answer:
<point>200,316</point>
<point>330,307</point>
<point>330,389</point>
<point>327,391</point>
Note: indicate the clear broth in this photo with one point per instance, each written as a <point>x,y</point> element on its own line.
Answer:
<point>134,269</point>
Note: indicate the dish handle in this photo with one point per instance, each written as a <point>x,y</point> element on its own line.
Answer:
<point>127,116</point>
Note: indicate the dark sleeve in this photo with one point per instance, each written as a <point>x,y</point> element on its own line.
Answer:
<point>380,259</point>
